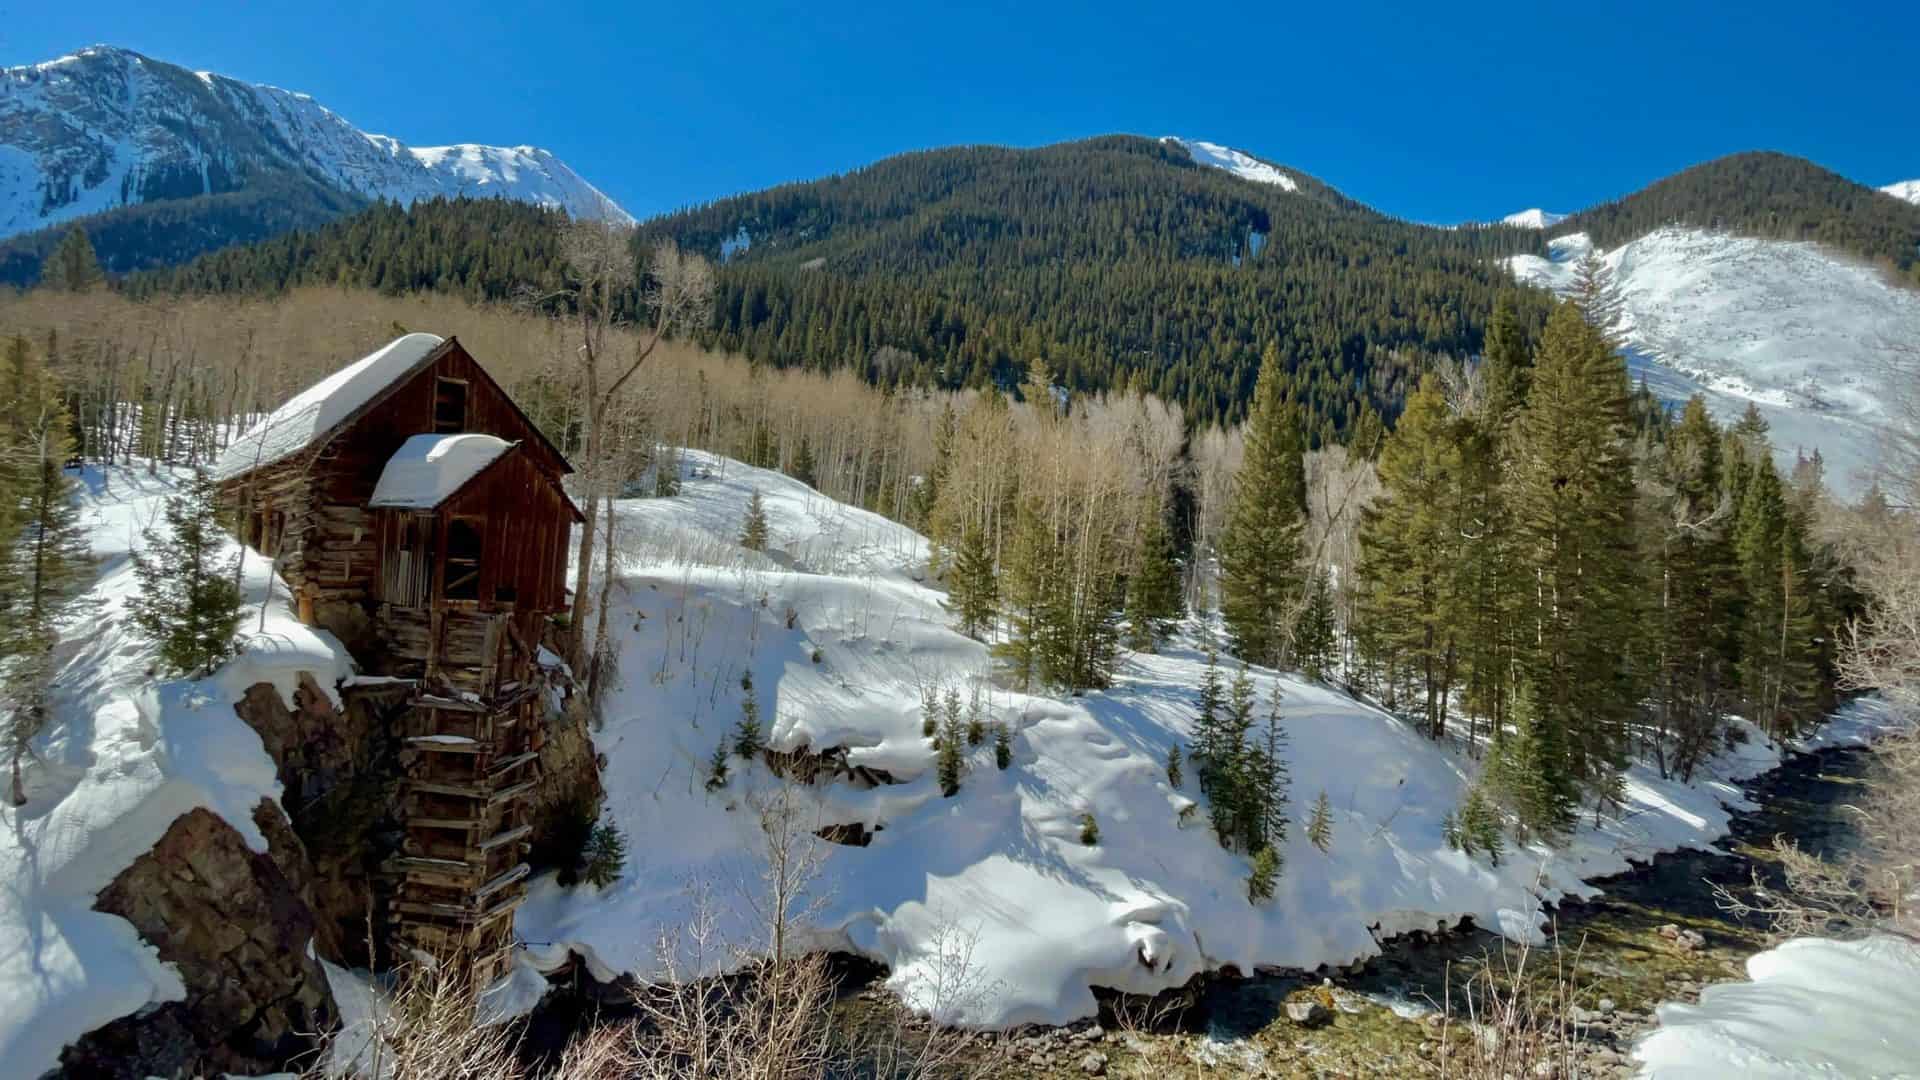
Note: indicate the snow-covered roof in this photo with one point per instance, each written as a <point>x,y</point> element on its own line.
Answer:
<point>428,468</point>
<point>321,407</point>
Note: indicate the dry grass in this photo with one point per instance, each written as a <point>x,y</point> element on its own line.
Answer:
<point>1515,1018</point>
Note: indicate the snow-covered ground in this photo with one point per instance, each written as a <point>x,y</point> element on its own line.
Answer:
<point>1791,327</point>
<point>1237,162</point>
<point>125,755</point>
<point>1811,1007</point>
<point>1000,868</point>
<point>1905,189</point>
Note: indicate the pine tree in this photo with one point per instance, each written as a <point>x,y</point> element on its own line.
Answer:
<point>976,719</point>
<point>803,463</point>
<point>72,267</point>
<point>1478,823</point>
<point>1573,501</point>
<point>1264,875</point>
<point>1089,830</point>
<point>1031,590</point>
<point>1320,823</point>
<point>1002,745</point>
<point>1412,553</point>
<point>604,858</point>
<point>1260,579</point>
<point>1153,591</point>
<point>1694,642</point>
<point>973,585</point>
<point>717,766</point>
<point>1597,297</point>
<point>188,604</point>
<point>747,736</point>
<point>950,758</point>
<point>46,555</point>
<point>1314,634</point>
<point>1174,775</point>
<point>1506,367</point>
<point>666,473</point>
<point>1275,781</point>
<point>1209,746</point>
<point>753,532</point>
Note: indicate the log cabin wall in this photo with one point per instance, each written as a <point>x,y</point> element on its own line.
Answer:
<point>456,600</point>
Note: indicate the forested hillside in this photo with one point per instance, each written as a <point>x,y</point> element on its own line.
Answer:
<point>1762,194</point>
<point>1115,260</point>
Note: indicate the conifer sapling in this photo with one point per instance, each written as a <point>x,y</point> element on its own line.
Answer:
<point>1320,824</point>
<point>188,603</point>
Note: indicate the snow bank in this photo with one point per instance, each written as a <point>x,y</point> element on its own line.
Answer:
<point>123,756</point>
<point>1239,163</point>
<point>316,410</point>
<point>428,468</point>
<point>991,891</point>
<point>1788,326</point>
<point>1905,189</point>
<point>1812,1007</point>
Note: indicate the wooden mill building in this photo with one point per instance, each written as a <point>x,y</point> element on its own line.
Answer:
<point>418,515</point>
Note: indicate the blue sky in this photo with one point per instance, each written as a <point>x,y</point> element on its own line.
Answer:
<point>1436,115</point>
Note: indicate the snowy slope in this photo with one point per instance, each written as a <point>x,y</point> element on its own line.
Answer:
<point>1535,218</point>
<point>1792,327</point>
<point>1812,1007</point>
<point>1239,163</point>
<point>107,127</point>
<point>1905,189</point>
<point>997,874</point>
<point>123,756</point>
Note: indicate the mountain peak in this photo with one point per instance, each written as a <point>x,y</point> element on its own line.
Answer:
<point>106,128</point>
<point>1534,218</point>
<point>1905,190</point>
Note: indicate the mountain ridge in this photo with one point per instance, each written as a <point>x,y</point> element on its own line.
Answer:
<point>107,130</point>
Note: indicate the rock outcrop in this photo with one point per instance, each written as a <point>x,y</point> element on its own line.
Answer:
<point>236,925</point>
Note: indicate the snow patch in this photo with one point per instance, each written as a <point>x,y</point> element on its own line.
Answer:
<point>1535,218</point>
<point>1908,190</point>
<point>1237,162</point>
<point>428,468</point>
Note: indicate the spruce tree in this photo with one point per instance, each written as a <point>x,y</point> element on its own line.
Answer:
<point>748,739</point>
<point>188,604</point>
<point>72,267</point>
<point>1208,744</point>
<point>1153,591</point>
<point>753,531</point>
<point>973,585</point>
<point>718,765</point>
<point>1506,367</point>
<point>1089,830</point>
<point>1031,589</point>
<point>1260,578</point>
<point>1693,680</point>
<point>1264,875</point>
<point>1174,774</point>
<point>1320,823</point>
<point>1002,745</point>
<point>803,464</point>
<point>950,760</point>
<point>1275,780</point>
<point>1314,634</point>
<point>1573,500</point>
<point>604,858</point>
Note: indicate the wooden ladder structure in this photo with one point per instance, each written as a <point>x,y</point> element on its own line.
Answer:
<point>472,764</point>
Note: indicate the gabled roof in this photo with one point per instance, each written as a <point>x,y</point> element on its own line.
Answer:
<point>315,412</point>
<point>428,469</point>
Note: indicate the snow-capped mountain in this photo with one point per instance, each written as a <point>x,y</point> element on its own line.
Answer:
<point>1793,327</point>
<point>1905,189</point>
<point>107,127</point>
<point>1237,162</point>
<point>1534,218</point>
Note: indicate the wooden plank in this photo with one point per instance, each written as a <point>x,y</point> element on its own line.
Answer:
<point>519,872</point>
<point>506,837</point>
<point>513,792</point>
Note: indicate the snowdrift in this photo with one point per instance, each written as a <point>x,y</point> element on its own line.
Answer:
<point>1812,1008</point>
<point>1788,326</point>
<point>122,758</point>
<point>986,906</point>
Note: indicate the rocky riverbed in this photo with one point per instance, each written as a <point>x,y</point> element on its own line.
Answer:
<point>1655,934</point>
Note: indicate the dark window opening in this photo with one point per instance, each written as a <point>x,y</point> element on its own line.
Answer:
<point>463,560</point>
<point>449,405</point>
<point>505,594</point>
